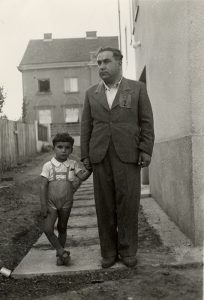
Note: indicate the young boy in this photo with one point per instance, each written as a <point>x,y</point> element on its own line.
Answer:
<point>60,179</point>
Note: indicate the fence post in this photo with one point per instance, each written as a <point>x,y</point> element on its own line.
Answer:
<point>16,141</point>
<point>36,134</point>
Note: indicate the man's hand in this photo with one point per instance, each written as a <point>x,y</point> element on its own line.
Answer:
<point>84,174</point>
<point>87,163</point>
<point>144,159</point>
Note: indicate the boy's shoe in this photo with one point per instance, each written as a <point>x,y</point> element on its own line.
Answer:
<point>108,262</point>
<point>65,257</point>
<point>129,261</point>
<point>61,261</point>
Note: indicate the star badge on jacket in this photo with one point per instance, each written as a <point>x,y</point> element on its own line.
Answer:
<point>125,100</point>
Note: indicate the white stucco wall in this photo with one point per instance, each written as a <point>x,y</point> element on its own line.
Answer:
<point>171,34</point>
<point>196,63</point>
<point>163,31</point>
<point>127,39</point>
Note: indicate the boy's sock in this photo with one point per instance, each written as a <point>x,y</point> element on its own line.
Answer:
<point>60,252</point>
<point>62,239</point>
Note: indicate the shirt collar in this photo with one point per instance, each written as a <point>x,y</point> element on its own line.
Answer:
<point>115,86</point>
<point>56,163</point>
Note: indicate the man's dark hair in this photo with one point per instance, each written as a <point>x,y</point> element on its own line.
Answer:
<point>63,137</point>
<point>116,52</point>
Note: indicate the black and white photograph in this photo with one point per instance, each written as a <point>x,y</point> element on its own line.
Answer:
<point>101,149</point>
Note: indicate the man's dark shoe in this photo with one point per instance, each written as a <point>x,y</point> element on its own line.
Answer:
<point>108,262</point>
<point>129,261</point>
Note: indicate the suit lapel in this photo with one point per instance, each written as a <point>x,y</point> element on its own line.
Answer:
<point>123,89</point>
<point>100,96</point>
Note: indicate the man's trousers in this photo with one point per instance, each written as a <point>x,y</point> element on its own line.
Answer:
<point>117,197</point>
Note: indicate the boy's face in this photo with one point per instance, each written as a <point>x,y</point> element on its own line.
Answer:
<point>62,150</point>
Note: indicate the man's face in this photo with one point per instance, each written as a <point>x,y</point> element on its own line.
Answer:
<point>109,67</point>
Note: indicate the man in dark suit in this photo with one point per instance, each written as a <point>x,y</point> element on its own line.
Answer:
<point>117,138</point>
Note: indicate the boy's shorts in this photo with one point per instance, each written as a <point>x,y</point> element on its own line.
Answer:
<point>60,194</point>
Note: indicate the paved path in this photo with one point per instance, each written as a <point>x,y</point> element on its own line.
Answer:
<point>83,241</point>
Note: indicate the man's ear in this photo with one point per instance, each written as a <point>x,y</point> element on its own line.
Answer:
<point>72,150</point>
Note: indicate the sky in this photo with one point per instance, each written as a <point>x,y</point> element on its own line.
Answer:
<point>24,20</point>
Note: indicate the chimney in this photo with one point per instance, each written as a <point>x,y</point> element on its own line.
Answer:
<point>91,35</point>
<point>47,37</point>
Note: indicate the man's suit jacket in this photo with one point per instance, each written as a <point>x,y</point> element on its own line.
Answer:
<point>129,122</point>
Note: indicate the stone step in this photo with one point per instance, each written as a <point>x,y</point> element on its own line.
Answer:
<point>82,259</point>
<point>83,197</point>
<point>83,203</point>
<point>86,258</point>
<point>83,193</point>
<point>83,211</point>
<point>85,185</point>
<point>82,222</point>
<point>75,237</point>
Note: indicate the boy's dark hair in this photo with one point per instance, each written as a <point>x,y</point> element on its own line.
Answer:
<point>63,137</point>
<point>116,52</point>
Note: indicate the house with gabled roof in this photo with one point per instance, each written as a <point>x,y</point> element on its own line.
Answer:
<point>55,76</point>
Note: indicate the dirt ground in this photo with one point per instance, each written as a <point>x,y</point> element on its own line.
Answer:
<point>21,225</point>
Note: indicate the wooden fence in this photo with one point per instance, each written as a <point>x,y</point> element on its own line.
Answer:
<point>17,143</point>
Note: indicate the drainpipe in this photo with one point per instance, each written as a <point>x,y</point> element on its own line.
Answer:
<point>119,24</point>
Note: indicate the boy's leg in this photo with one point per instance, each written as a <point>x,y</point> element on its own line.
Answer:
<point>63,216</point>
<point>49,230</point>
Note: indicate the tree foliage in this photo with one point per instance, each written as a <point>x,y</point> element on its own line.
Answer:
<point>2,97</point>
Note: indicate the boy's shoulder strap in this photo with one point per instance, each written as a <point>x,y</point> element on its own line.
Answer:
<point>53,170</point>
<point>60,173</point>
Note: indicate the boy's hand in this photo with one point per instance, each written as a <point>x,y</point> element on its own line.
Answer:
<point>44,211</point>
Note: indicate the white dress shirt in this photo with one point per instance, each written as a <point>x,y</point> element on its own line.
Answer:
<point>61,167</point>
<point>111,92</point>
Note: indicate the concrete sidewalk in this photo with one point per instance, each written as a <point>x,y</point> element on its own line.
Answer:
<point>83,241</point>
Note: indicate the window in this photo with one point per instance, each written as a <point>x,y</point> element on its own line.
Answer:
<point>70,85</point>
<point>71,115</point>
<point>45,116</point>
<point>44,85</point>
<point>93,56</point>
